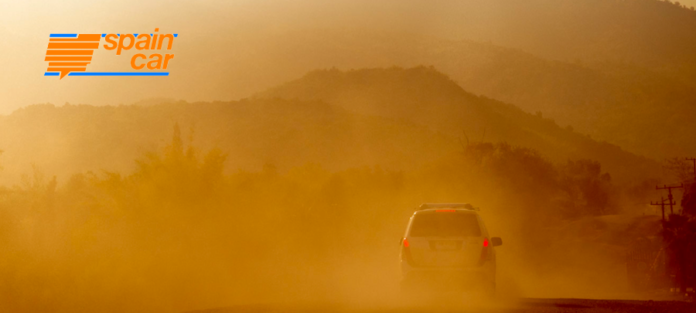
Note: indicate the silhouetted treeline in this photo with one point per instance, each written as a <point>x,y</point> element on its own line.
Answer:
<point>179,232</point>
<point>397,118</point>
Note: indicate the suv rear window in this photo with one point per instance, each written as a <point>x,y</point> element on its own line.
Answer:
<point>445,224</point>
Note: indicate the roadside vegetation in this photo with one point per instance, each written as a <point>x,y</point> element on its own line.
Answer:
<point>180,232</point>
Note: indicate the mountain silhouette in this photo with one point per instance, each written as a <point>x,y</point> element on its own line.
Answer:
<point>424,96</point>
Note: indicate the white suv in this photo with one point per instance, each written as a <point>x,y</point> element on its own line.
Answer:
<point>447,247</point>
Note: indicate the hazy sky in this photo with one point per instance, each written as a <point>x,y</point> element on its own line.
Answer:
<point>202,25</point>
<point>25,29</point>
<point>25,26</point>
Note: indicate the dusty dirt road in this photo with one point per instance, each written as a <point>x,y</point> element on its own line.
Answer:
<point>517,306</point>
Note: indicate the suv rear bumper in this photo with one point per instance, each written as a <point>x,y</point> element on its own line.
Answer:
<point>448,277</point>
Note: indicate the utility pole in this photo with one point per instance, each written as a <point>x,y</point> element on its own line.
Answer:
<point>670,198</point>
<point>662,204</point>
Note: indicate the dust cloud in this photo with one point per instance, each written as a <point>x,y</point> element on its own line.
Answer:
<point>180,233</point>
<point>239,181</point>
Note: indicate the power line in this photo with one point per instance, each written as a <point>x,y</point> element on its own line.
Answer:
<point>670,198</point>
<point>662,204</point>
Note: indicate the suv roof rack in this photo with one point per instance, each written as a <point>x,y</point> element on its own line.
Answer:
<point>466,206</point>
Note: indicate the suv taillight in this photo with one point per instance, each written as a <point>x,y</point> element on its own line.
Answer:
<point>484,252</point>
<point>406,251</point>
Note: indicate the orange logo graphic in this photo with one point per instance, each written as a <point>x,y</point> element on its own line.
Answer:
<point>69,54</point>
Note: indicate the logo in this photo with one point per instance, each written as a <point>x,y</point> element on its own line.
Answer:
<point>69,54</point>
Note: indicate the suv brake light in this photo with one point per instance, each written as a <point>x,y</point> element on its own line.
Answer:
<point>484,252</point>
<point>406,252</point>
